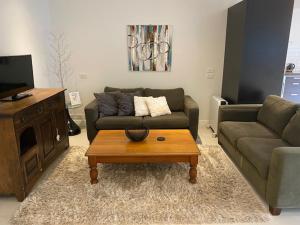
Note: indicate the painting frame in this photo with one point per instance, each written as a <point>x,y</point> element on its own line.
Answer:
<point>149,48</point>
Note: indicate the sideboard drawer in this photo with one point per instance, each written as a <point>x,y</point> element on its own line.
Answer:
<point>29,114</point>
<point>55,102</point>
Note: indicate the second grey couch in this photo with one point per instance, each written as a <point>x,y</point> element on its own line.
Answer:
<point>185,114</point>
<point>264,142</point>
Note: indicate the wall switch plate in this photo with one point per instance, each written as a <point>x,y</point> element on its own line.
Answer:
<point>210,73</point>
<point>210,70</point>
<point>83,76</point>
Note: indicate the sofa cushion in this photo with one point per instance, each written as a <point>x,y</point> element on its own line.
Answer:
<point>107,103</point>
<point>158,106</point>
<point>233,131</point>
<point>119,122</point>
<point>174,121</point>
<point>258,151</point>
<point>140,106</point>
<point>276,113</point>
<point>125,103</point>
<point>125,90</point>
<point>175,97</point>
<point>291,133</point>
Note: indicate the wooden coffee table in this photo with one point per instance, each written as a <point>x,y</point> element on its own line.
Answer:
<point>112,146</point>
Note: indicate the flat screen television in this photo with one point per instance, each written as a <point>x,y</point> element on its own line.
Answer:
<point>16,76</point>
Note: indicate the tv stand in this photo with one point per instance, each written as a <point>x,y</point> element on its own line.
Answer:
<point>33,134</point>
<point>16,97</point>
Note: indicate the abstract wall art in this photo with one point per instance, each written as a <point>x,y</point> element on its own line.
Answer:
<point>149,47</point>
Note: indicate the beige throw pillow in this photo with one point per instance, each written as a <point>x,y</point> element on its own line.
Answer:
<point>158,106</point>
<point>140,106</point>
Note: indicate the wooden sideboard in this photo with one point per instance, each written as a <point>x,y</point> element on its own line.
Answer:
<point>33,132</point>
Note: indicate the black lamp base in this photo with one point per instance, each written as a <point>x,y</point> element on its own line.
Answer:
<point>74,129</point>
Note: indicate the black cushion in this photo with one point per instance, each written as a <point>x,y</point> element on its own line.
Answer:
<point>107,104</point>
<point>175,97</point>
<point>126,103</point>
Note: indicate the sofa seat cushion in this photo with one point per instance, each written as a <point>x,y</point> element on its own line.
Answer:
<point>119,122</point>
<point>173,121</point>
<point>233,131</point>
<point>258,151</point>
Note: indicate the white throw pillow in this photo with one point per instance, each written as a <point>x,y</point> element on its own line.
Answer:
<point>140,106</point>
<point>158,106</point>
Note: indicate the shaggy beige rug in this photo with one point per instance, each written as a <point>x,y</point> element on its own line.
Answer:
<point>142,194</point>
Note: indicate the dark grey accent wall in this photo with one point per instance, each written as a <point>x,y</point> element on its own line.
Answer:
<point>234,51</point>
<point>256,47</point>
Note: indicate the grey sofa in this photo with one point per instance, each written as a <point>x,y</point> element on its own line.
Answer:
<point>185,114</point>
<point>264,142</point>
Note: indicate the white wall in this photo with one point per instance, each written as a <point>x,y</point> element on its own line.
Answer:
<point>24,28</point>
<point>96,34</point>
<point>293,54</point>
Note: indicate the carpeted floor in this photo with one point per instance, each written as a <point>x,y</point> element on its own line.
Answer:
<point>142,194</point>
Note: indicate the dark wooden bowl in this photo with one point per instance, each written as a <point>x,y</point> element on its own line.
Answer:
<point>137,134</point>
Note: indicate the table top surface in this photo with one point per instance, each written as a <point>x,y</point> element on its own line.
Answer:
<point>38,95</point>
<point>115,143</point>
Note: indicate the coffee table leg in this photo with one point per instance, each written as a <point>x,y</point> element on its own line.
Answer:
<point>93,170</point>
<point>193,169</point>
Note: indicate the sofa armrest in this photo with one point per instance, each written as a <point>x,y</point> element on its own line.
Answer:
<point>191,109</point>
<point>242,113</point>
<point>283,187</point>
<point>91,116</point>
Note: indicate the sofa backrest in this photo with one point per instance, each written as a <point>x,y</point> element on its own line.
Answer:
<point>175,97</point>
<point>276,113</point>
<point>125,90</point>
<point>291,132</point>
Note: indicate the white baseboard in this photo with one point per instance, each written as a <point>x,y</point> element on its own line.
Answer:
<point>79,120</point>
<point>203,123</point>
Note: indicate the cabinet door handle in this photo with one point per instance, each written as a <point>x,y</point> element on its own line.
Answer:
<point>296,83</point>
<point>40,110</point>
<point>39,162</point>
<point>57,135</point>
<point>294,94</point>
